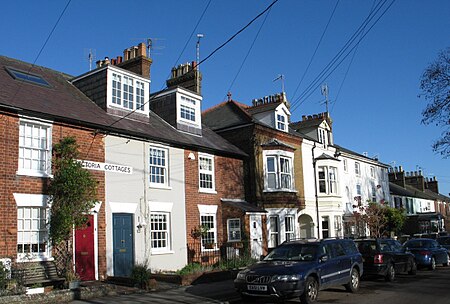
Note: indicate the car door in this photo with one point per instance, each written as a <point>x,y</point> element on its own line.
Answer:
<point>328,270</point>
<point>401,258</point>
<point>439,252</point>
<point>344,263</point>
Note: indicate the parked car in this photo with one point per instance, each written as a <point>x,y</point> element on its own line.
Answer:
<point>428,252</point>
<point>385,257</point>
<point>301,268</point>
<point>444,241</point>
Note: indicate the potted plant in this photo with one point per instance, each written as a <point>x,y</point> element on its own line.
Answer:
<point>73,279</point>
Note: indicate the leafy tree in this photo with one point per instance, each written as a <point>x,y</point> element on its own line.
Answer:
<point>396,218</point>
<point>72,192</point>
<point>435,86</point>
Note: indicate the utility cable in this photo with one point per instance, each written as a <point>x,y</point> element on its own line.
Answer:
<point>349,65</point>
<point>349,42</point>
<point>345,56</point>
<point>315,51</point>
<point>249,50</point>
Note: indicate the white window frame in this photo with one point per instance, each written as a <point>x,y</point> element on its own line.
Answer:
<point>156,207</point>
<point>33,201</point>
<point>140,95</point>
<point>289,233</point>
<point>166,233</point>
<point>206,172</point>
<point>116,89</point>
<point>357,169</point>
<point>191,104</point>
<point>279,171</point>
<point>372,171</point>
<point>234,231</point>
<point>322,136</point>
<point>274,231</point>
<point>325,219</point>
<point>281,121</point>
<point>373,193</point>
<point>209,211</point>
<point>128,92</point>
<point>33,149</point>
<point>327,176</point>
<point>345,162</point>
<point>163,167</point>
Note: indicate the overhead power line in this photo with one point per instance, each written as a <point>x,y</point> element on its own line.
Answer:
<point>341,55</point>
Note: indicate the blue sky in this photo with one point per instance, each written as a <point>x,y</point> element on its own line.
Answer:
<point>374,105</point>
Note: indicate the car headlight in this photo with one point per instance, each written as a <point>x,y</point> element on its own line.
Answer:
<point>240,276</point>
<point>286,278</point>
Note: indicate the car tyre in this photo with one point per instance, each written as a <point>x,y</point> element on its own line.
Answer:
<point>353,285</point>
<point>413,269</point>
<point>433,264</point>
<point>390,274</point>
<point>311,291</point>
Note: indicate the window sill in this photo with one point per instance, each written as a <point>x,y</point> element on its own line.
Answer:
<point>162,187</point>
<point>207,191</point>
<point>162,252</point>
<point>33,173</point>
<point>26,259</point>
<point>279,190</point>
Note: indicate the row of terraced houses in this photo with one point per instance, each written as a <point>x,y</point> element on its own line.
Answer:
<point>246,173</point>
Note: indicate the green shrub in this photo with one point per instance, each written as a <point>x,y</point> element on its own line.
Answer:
<point>141,275</point>
<point>193,268</point>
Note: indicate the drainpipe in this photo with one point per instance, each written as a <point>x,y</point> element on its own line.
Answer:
<point>315,189</point>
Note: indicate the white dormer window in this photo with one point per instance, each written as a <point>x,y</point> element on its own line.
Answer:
<point>127,90</point>
<point>322,136</point>
<point>281,122</point>
<point>188,109</point>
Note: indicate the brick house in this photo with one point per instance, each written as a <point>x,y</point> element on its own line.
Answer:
<point>156,182</point>
<point>273,172</point>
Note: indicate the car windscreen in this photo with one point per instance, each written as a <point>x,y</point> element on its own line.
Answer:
<point>418,244</point>
<point>293,252</point>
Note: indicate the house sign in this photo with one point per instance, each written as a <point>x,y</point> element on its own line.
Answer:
<point>91,165</point>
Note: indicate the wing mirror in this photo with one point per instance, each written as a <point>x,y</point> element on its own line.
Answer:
<point>323,258</point>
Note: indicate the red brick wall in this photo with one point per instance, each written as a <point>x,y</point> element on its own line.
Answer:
<point>229,183</point>
<point>91,148</point>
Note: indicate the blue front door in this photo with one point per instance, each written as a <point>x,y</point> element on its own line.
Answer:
<point>123,244</point>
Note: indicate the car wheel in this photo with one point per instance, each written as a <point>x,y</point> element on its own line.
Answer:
<point>413,268</point>
<point>311,291</point>
<point>433,264</point>
<point>446,263</point>
<point>390,274</point>
<point>353,285</point>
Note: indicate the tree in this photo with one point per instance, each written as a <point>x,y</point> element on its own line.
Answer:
<point>435,86</point>
<point>72,192</point>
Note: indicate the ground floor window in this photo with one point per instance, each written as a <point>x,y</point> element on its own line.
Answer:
<point>209,238</point>
<point>325,227</point>
<point>32,233</point>
<point>289,227</point>
<point>274,231</point>
<point>160,231</point>
<point>234,230</point>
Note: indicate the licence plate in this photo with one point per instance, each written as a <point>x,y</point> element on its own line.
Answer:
<point>257,287</point>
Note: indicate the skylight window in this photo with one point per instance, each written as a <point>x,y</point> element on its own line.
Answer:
<point>27,77</point>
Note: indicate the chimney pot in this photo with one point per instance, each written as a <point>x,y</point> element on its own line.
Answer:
<point>119,59</point>
<point>400,169</point>
<point>99,63</point>
<point>142,50</point>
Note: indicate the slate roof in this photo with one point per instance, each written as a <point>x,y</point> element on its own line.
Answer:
<point>263,108</point>
<point>342,149</point>
<point>410,191</point>
<point>243,205</point>
<point>63,102</point>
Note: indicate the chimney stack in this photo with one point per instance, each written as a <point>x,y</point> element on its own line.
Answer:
<point>187,76</point>
<point>135,60</point>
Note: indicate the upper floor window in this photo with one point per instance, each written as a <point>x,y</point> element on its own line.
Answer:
<point>187,108</point>
<point>234,230</point>
<point>281,122</point>
<point>140,96</point>
<point>128,92</point>
<point>158,163</point>
<point>117,89</point>
<point>373,192</point>
<point>345,165</point>
<point>327,177</point>
<point>357,169</point>
<point>322,136</point>
<point>206,172</point>
<point>34,148</point>
<point>372,172</point>
<point>279,171</point>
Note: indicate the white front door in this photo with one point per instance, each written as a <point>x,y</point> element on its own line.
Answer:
<point>256,236</point>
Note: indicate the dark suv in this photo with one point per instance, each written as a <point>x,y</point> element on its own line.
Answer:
<point>301,268</point>
<point>385,257</point>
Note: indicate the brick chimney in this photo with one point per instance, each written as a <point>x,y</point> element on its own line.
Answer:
<point>415,179</point>
<point>135,60</point>
<point>187,76</point>
<point>397,176</point>
<point>432,184</point>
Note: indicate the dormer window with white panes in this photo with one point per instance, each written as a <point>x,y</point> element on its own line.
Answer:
<point>188,109</point>
<point>322,135</point>
<point>281,122</point>
<point>127,90</point>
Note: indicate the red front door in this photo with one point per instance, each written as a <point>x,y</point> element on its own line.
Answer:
<point>84,251</point>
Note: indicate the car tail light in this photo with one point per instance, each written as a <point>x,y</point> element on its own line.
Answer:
<point>378,259</point>
<point>424,252</point>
